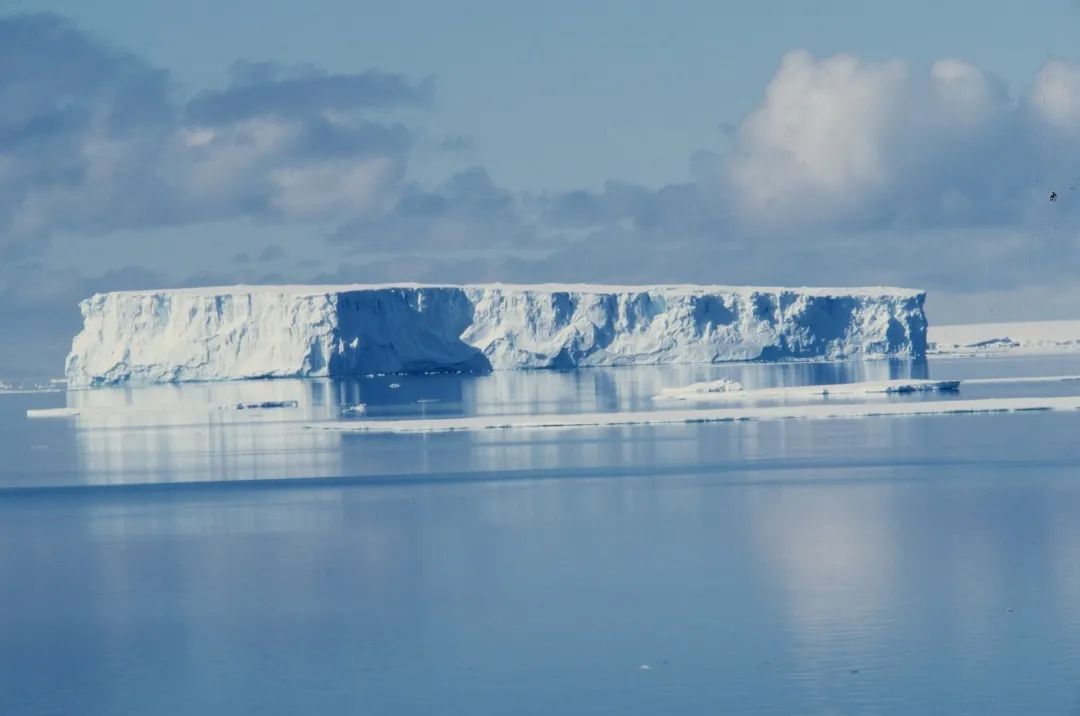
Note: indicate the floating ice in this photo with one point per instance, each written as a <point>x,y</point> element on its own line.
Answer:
<point>73,412</point>
<point>53,412</point>
<point>818,411</point>
<point>7,388</point>
<point>721,390</point>
<point>265,405</point>
<point>724,385</point>
<point>1022,379</point>
<point>277,331</point>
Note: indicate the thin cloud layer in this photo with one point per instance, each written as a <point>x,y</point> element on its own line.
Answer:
<point>466,212</point>
<point>259,89</point>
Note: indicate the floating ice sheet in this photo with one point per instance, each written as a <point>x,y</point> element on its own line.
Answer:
<point>117,410</point>
<point>722,390</point>
<point>715,415</point>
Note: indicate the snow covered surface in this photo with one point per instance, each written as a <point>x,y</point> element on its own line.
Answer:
<point>722,390</point>
<point>989,338</point>
<point>817,411</point>
<point>277,331</point>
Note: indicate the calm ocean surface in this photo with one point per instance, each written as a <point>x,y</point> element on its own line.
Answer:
<point>162,555</point>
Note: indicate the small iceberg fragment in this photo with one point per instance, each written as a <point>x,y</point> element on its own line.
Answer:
<point>53,413</point>
<point>724,385</point>
<point>267,405</point>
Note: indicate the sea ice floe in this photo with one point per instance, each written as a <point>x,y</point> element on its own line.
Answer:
<point>263,405</point>
<point>818,411</point>
<point>722,390</point>
<point>71,412</point>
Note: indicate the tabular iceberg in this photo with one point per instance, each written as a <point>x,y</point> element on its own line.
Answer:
<point>278,331</point>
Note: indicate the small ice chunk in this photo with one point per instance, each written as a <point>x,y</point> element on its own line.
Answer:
<point>52,412</point>
<point>267,404</point>
<point>352,411</point>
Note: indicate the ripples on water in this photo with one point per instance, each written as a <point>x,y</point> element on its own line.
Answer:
<point>162,555</point>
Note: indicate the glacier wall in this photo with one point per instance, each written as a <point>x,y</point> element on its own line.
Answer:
<point>278,331</point>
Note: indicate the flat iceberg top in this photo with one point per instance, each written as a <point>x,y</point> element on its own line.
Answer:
<point>542,288</point>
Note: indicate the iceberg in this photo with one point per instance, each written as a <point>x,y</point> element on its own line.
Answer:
<point>238,332</point>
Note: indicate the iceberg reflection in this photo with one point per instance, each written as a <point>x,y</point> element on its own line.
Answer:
<point>195,432</point>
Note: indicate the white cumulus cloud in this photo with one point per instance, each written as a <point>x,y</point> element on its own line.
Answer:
<point>843,141</point>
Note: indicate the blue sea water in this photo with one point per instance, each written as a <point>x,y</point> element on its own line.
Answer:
<point>162,554</point>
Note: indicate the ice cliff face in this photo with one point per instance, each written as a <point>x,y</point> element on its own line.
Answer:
<point>277,331</point>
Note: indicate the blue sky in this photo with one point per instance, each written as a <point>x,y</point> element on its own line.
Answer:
<point>565,94</point>
<point>835,142</point>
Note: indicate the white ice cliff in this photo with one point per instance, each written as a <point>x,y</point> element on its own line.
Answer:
<point>276,331</point>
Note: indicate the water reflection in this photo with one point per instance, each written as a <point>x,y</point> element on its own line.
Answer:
<point>890,566</point>
<point>592,390</point>
<point>838,588</point>
<point>192,432</point>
